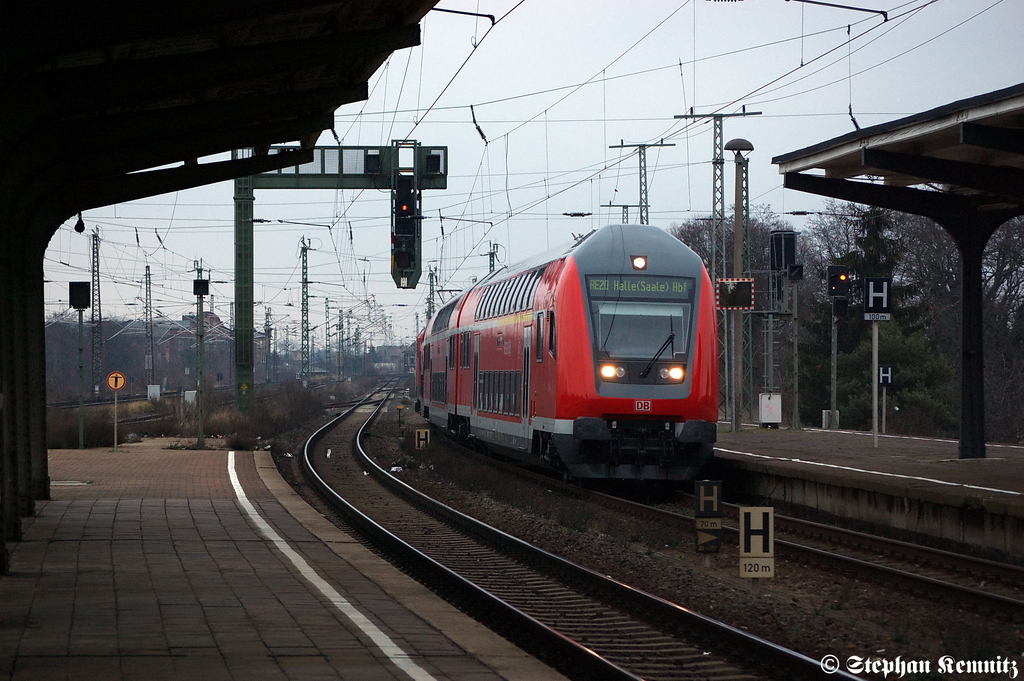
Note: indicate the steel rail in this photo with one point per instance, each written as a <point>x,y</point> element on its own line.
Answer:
<point>657,612</point>
<point>518,626</point>
<point>936,588</point>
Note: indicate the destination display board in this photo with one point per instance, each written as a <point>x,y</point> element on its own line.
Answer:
<point>640,286</point>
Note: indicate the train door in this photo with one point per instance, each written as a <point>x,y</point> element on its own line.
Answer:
<point>527,347</point>
<point>476,373</point>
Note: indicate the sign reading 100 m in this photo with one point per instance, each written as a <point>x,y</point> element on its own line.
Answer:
<point>640,286</point>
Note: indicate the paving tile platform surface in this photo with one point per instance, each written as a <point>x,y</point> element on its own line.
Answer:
<point>146,564</point>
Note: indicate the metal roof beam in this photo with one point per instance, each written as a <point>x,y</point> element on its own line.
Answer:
<point>903,199</point>
<point>1010,140</point>
<point>138,83</point>
<point>1002,180</point>
<point>109,190</point>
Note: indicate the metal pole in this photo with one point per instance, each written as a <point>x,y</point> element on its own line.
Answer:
<point>833,418</point>
<point>244,324</point>
<point>796,358</point>
<point>81,382</point>
<point>201,373</point>
<point>115,419</point>
<point>874,383</point>
<point>885,390</point>
<point>737,315</point>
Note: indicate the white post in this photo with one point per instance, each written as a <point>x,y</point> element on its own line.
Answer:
<point>874,383</point>
<point>885,391</point>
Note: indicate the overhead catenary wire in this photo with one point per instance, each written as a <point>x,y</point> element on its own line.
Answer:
<point>514,200</point>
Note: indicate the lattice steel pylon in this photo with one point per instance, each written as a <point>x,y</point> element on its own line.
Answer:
<point>148,314</point>
<point>97,316</point>
<point>244,324</point>
<point>718,231</point>
<point>327,338</point>
<point>642,160</point>
<point>304,371</point>
<point>267,344</point>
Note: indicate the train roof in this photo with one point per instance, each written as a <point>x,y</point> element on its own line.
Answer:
<point>594,245</point>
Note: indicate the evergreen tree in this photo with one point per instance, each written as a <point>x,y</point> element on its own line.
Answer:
<point>872,249</point>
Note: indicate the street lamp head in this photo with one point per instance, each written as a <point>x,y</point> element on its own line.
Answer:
<point>739,145</point>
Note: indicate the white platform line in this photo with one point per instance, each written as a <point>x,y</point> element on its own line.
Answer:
<point>380,639</point>
<point>863,470</point>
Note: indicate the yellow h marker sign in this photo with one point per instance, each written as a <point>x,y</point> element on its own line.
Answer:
<point>707,515</point>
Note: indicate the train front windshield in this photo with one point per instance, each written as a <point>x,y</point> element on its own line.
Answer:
<point>634,315</point>
<point>636,330</point>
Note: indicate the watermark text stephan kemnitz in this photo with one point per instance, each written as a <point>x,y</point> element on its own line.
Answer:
<point>900,667</point>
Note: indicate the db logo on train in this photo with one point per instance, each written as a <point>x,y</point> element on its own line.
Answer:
<point>643,405</point>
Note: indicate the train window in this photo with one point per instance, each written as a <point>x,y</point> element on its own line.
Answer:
<point>502,304</point>
<point>464,345</point>
<point>530,288</point>
<point>495,305</point>
<point>485,302</point>
<point>540,336</point>
<point>508,299</point>
<point>499,299</point>
<point>520,292</point>
<point>551,332</point>
<point>451,352</point>
<point>636,330</point>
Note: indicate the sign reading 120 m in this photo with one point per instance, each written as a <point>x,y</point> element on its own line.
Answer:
<point>640,286</point>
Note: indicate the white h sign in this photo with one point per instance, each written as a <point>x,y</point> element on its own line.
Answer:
<point>757,542</point>
<point>876,299</point>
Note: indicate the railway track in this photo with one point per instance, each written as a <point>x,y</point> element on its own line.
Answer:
<point>582,623</point>
<point>985,585</point>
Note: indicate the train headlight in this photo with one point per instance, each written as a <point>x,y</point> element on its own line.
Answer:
<point>610,371</point>
<point>639,262</point>
<point>671,373</point>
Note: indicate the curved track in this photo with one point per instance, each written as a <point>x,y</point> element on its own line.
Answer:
<point>985,585</point>
<point>582,623</point>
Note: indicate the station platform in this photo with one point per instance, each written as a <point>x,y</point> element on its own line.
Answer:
<point>916,487</point>
<point>152,563</point>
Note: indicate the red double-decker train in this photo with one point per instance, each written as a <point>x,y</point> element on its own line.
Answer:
<point>598,360</point>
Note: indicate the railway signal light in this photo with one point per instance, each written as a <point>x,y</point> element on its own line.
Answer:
<point>838,281</point>
<point>405,207</point>
<point>405,233</point>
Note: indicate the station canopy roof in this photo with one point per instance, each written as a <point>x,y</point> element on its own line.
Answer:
<point>972,149</point>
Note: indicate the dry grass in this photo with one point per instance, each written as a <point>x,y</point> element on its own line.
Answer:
<point>277,410</point>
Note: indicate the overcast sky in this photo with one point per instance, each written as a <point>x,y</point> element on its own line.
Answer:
<point>553,85</point>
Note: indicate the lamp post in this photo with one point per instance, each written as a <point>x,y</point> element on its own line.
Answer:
<point>200,288</point>
<point>79,295</point>
<point>738,146</point>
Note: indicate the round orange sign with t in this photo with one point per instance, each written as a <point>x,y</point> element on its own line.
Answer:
<point>116,380</point>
